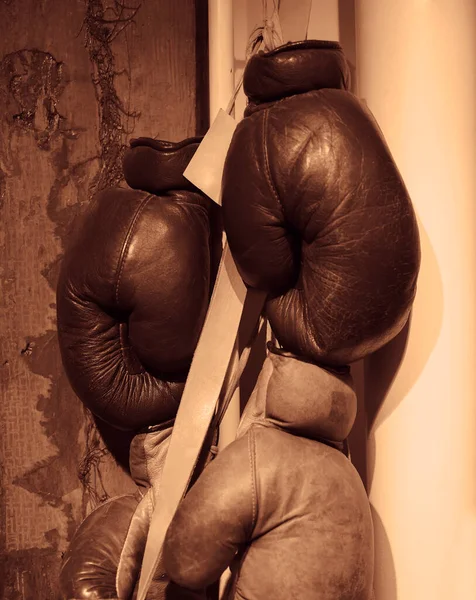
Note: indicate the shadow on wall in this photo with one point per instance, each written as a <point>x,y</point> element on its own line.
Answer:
<point>382,367</point>
<point>384,391</point>
<point>384,565</point>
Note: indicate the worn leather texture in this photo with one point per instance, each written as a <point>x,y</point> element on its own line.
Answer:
<point>147,454</point>
<point>317,215</point>
<point>301,399</point>
<point>104,557</point>
<point>134,290</point>
<point>288,513</point>
<point>90,563</point>
<point>315,209</point>
<point>295,68</point>
<point>157,166</point>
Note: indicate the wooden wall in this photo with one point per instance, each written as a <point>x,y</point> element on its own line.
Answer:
<point>78,78</point>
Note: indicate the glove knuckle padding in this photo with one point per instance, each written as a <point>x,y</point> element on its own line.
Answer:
<point>132,298</point>
<point>315,514</point>
<point>213,521</point>
<point>317,214</point>
<point>104,558</point>
<point>308,401</point>
<point>297,506</point>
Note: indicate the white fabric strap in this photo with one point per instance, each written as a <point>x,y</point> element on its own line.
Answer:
<point>198,405</point>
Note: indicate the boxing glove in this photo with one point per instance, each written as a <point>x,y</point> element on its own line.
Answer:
<point>315,210</point>
<point>89,568</point>
<point>282,504</point>
<point>104,557</point>
<point>134,288</point>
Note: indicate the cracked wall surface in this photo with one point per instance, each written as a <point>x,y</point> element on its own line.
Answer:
<point>77,79</point>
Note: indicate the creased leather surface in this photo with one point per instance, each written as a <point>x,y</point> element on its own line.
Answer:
<point>90,564</point>
<point>106,552</point>
<point>132,297</point>
<point>303,399</point>
<point>148,452</point>
<point>133,294</point>
<point>103,560</point>
<point>317,214</point>
<point>289,513</point>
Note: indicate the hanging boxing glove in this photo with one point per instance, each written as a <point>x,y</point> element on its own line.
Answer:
<point>282,504</point>
<point>315,210</point>
<point>134,288</point>
<point>89,568</point>
<point>104,557</point>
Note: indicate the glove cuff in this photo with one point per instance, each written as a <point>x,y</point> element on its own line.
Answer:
<point>302,398</point>
<point>157,166</point>
<point>147,453</point>
<point>295,68</point>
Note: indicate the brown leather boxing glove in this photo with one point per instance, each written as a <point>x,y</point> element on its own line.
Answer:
<point>134,288</point>
<point>315,210</point>
<point>282,504</point>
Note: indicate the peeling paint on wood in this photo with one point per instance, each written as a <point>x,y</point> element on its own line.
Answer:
<point>104,24</point>
<point>76,81</point>
<point>34,81</point>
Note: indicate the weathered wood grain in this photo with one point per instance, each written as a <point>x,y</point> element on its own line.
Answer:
<point>73,89</point>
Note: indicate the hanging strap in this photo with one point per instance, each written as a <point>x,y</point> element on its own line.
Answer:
<point>198,405</point>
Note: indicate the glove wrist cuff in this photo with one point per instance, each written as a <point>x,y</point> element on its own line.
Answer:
<point>295,68</point>
<point>157,166</point>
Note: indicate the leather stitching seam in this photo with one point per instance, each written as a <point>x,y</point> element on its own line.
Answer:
<point>119,564</point>
<point>146,460</point>
<point>266,162</point>
<point>125,247</point>
<point>252,458</point>
<point>120,269</point>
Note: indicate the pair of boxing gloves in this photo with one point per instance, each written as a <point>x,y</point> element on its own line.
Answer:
<point>316,214</point>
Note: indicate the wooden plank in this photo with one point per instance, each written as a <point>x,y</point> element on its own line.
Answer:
<point>73,90</point>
